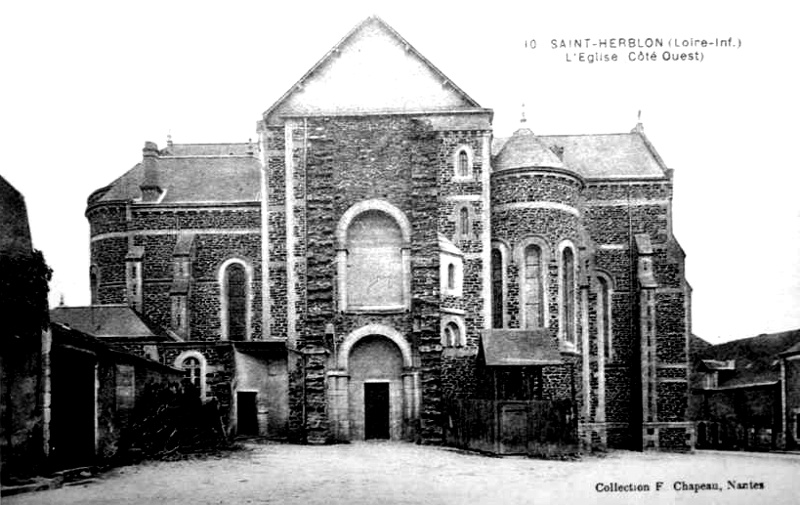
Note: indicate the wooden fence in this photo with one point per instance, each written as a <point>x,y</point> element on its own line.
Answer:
<point>538,428</point>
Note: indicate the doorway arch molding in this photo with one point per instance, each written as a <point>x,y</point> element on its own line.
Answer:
<point>373,329</point>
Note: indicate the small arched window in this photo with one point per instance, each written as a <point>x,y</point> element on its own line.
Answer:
<point>532,288</point>
<point>193,365</point>
<point>463,222</point>
<point>568,295</point>
<point>451,276</point>
<point>191,370</point>
<point>497,289</point>
<point>463,164</point>
<point>452,335</point>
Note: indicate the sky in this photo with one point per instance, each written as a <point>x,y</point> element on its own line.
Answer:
<point>85,84</point>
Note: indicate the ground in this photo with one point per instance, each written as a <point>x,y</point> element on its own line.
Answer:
<point>397,473</point>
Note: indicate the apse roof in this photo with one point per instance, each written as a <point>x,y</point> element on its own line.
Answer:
<point>525,150</point>
<point>592,156</point>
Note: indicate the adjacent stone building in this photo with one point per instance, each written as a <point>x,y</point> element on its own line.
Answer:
<point>334,279</point>
<point>746,393</point>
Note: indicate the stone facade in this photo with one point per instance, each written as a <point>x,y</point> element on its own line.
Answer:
<point>344,267</point>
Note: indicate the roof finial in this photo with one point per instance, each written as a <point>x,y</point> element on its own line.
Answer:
<point>523,120</point>
<point>639,128</point>
<point>61,301</point>
<point>169,138</point>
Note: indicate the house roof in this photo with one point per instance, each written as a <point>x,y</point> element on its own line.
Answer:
<point>194,178</point>
<point>716,365</point>
<point>109,321</point>
<point>756,358</point>
<point>67,335</point>
<point>598,156</point>
<point>373,69</point>
<point>519,348</point>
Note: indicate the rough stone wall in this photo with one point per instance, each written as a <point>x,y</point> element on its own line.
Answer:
<point>456,192</point>
<point>339,162</point>
<point>614,213</point>
<point>156,229</point>
<point>219,369</point>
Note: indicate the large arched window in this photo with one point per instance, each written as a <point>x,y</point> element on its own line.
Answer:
<point>567,295</point>
<point>497,289</point>
<point>603,315</point>
<point>374,261</point>
<point>235,300</point>
<point>533,288</point>
<point>373,258</point>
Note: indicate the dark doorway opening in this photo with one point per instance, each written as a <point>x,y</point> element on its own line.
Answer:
<point>72,407</point>
<point>376,410</point>
<point>247,413</point>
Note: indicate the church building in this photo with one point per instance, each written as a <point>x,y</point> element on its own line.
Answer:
<point>377,250</point>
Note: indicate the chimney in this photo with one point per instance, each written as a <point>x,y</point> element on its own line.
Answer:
<point>151,190</point>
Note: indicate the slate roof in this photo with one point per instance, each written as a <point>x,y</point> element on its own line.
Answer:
<point>518,348</point>
<point>757,359</point>
<point>601,156</point>
<point>195,178</point>
<point>224,149</point>
<point>109,321</point>
<point>525,150</point>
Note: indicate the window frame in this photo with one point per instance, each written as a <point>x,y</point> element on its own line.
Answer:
<point>342,256</point>
<point>569,342</point>
<point>224,301</point>
<point>202,371</point>
<point>470,165</point>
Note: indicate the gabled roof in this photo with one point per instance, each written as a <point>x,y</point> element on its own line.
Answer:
<point>109,321</point>
<point>503,347</point>
<point>189,177</point>
<point>757,359</point>
<point>372,69</point>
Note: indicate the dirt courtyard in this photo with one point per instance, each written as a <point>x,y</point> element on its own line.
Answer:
<point>397,473</point>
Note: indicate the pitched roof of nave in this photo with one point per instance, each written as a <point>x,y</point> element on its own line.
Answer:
<point>592,156</point>
<point>196,173</point>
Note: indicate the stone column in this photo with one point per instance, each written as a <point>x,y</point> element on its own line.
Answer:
<point>647,332</point>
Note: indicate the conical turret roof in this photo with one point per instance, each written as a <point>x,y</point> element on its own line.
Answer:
<point>525,150</point>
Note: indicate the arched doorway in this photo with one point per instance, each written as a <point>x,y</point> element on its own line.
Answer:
<point>374,392</point>
<point>376,389</point>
